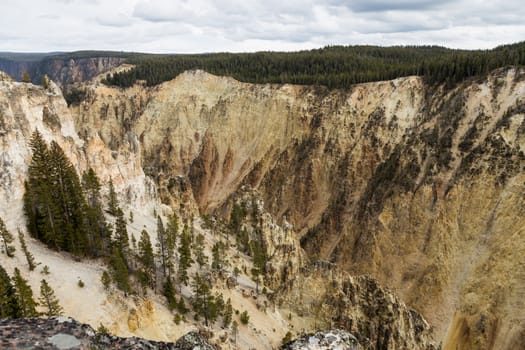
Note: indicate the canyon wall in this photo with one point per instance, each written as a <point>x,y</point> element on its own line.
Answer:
<point>418,186</point>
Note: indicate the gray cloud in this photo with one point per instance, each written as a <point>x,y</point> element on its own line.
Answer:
<point>234,25</point>
<point>114,20</point>
<point>385,5</point>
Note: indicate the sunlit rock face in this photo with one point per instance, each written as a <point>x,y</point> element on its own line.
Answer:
<point>420,187</point>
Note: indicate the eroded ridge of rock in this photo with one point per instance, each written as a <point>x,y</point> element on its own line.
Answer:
<point>59,333</point>
<point>375,315</point>
<point>334,339</point>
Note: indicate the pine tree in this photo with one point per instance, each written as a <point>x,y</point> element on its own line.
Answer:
<point>7,238</point>
<point>133,244</point>
<point>38,206</point>
<point>169,293</point>
<point>198,251</point>
<point>162,246</point>
<point>244,317</point>
<point>69,202</point>
<point>172,230</point>
<point>9,307</point>
<point>24,296</point>
<point>99,233</point>
<point>121,241</point>
<point>235,330</point>
<point>228,314</point>
<point>219,304</point>
<point>119,271</point>
<point>146,259</point>
<point>49,301</point>
<point>29,257</point>
<point>181,306</point>
<point>53,202</point>
<point>44,81</point>
<point>25,77</point>
<point>203,301</point>
<point>217,252</point>
<point>112,199</point>
<point>106,280</point>
<point>185,259</point>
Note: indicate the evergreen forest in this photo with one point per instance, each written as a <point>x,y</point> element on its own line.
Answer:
<point>331,66</point>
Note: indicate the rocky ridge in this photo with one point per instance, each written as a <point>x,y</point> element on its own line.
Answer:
<point>58,333</point>
<point>375,315</point>
<point>329,340</point>
<point>65,333</point>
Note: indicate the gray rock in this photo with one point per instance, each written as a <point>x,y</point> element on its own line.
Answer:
<point>58,333</point>
<point>64,341</point>
<point>334,339</point>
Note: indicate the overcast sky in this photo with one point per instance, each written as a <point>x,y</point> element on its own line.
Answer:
<point>249,25</point>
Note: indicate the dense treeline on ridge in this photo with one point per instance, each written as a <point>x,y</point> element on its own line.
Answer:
<point>332,66</point>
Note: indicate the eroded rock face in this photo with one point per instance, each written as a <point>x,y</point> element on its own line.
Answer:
<point>66,71</point>
<point>25,108</point>
<point>60,69</point>
<point>375,315</point>
<point>284,256</point>
<point>59,333</point>
<point>335,339</point>
<point>421,188</point>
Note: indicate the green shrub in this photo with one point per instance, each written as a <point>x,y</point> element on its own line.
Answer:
<point>245,318</point>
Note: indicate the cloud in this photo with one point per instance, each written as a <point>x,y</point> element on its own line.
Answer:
<point>385,5</point>
<point>114,20</point>
<point>234,25</point>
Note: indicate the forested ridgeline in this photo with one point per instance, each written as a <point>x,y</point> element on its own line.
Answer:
<point>332,66</point>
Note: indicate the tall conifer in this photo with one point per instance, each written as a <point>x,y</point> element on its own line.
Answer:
<point>121,240</point>
<point>119,271</point>
<point>9,307</point>
<point>162,246</point>
<point>29,257</point>
<point>99,233</point>
<point>146,259</point>
<point>112,199</point>
<point>172,230</point>
<point>7,239</point>
<point>185,259</point>
<point>24,296</point>
<point>49,301</point>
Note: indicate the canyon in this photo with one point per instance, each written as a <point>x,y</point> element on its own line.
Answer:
<point>377,200</point>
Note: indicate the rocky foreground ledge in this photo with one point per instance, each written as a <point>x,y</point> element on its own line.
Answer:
<point>335,339</point>
<point>65,333</point>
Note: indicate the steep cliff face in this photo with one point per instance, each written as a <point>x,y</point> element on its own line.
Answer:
<point>60,69</point>
<point>14,68</point>
<point>75,70</point>
<point>359,305</point>
<point>25,108</point>
<point>420,187</point>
